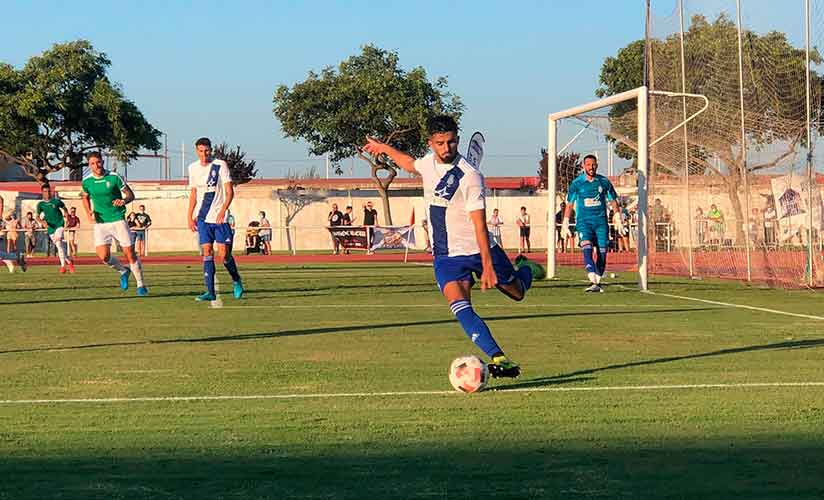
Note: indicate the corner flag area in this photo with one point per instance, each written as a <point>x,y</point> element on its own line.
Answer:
<point>329,380</point>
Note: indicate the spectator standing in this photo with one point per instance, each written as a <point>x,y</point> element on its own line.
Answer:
<point>143,222</point>
<point>12,225</point>
<point>72,223</point>
<point>620,220</point>
<point>495,224</point>
<point>524,230</point>
<point>715,220</point>
<point>348,220</point>
<point>370,215</point>
<point>700,227</point>
<point>335,219</point>
<point>770,222</point>
<point>265,233</point>
<point>560,241</point>
<point>31,226</point>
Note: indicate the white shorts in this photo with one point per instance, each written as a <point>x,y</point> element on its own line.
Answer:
<point>57,235</point>
<point>105,232</point>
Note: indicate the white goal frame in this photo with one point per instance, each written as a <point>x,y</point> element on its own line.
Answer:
<point>641,95</point>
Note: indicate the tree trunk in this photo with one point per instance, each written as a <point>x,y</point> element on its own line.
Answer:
<point>733,181</point>
<point>383,189</point>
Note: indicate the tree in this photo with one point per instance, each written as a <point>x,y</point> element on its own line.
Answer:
<point>368,94</point>
<point>775,99</point>
<point>567,168</point>
<point>241,170</point>
<point>60,106</point>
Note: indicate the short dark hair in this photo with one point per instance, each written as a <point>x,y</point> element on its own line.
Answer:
<point>523,208</point>
<point>203,141</point>
<point>94,154</point>
<point>589,156</point>
<point>442,123</point>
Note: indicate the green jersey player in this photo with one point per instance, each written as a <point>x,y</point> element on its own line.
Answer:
<point>51,212</point>
<point>108,194</point>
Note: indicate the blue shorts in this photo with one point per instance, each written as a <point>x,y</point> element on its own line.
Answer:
<point>596,232</point>
<point>213,233</point>
<point>139,235</point>
<point>462,267</point>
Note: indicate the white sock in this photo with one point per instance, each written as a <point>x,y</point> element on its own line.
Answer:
<point>9,264</point>
<point>115,264</point>
<point>137,272</point>
<point>61,252</point>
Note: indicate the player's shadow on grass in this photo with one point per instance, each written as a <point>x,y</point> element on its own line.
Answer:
<point>576,375</point>
<point>340,329</point>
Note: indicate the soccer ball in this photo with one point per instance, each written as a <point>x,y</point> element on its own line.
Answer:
<point>468,374</point>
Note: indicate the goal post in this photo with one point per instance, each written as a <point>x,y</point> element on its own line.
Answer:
<point>640,95</point>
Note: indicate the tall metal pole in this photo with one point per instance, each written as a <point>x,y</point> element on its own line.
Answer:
<point>745,222</point>
<point>610,158</point>
<point>166,156</point>
<point>551,188</point>
<point>643,186</point>
<point>811,175</point>
<point>686,143</point>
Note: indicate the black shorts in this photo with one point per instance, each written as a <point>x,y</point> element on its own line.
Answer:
<point>525,231</point>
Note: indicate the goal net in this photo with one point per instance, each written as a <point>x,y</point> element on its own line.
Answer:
<point>728,185</point>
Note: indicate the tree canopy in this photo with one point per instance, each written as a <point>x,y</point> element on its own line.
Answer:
<point>242,171</point>
<point>62,105</point>
<point>367,94</point>
<point>774,74</point>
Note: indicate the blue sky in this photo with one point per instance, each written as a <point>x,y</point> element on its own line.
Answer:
<point>210,68</point>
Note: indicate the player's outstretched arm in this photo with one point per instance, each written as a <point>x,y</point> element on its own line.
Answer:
<point>401,159</point>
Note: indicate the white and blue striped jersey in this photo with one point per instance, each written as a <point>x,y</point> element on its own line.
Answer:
<point>451,192</point>
<point>209,180</point>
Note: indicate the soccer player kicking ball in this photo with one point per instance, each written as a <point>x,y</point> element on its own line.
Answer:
<point>52,212</point>
<point>12,258</point>
<point>211,193</point>
<point>456,209</point>
<point>109,194</point>
<point>590,193</point>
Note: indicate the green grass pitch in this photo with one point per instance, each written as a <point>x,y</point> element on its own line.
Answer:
<point>329,382</point>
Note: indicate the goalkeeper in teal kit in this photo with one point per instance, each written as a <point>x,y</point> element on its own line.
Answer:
<point>589,193</point>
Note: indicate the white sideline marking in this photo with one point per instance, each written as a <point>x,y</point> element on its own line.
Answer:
<point>741,306</point>
<point>755,385</point>
<point>409,306</point>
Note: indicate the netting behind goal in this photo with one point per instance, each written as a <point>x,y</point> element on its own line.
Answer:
<point>736,192</point>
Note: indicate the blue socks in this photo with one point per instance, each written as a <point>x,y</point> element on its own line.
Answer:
<point>231,266</point>
<point>602,261</point>
<point>209,273</point>
<point>589,263</point>
<point>474,326</point>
